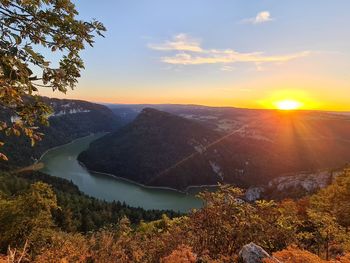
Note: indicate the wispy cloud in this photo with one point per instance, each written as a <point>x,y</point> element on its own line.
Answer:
<point>180,42</point>
<point>228,56</point>
<point>187,51</point>
<point>227,68</point>
<point>260,18</point>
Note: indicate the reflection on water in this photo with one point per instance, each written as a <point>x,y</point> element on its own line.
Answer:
<point>62,162</point>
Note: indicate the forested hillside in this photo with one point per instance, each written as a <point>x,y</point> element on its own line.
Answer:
<point>241,147</point>
<point>312,229</point>
<point>145,149</point>
<point>70,119</point>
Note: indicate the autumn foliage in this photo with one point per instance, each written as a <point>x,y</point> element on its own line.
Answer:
<point>295,255</point>
<point>182,254</point>
<point>313,229</point>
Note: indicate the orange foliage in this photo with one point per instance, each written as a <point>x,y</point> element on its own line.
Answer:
<point>65,248</point>
<point>343,259</point>
<point>183,254</point>
<point>3,259</point>
<point>295,255</point>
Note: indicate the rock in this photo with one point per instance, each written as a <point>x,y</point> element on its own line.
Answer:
<point>252,253</point>
<point>253,193</point>
<point>300,184</point>
<point>309,182</point>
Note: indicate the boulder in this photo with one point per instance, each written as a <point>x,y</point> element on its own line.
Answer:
<point>253,253</point>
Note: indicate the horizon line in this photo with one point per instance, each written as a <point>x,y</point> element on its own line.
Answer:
<point>201,105</point>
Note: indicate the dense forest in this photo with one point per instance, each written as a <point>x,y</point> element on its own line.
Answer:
<point>146,149</point>
<point>43,223</point>
<point>76,212</point>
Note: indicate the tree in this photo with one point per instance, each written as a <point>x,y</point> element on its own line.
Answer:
<point>25,27</point>
<point>329,213</point>
<point>227,223</point>
<point>27,217</point>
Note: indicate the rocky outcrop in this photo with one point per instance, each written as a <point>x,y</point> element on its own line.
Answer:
<point>298,185</point>
<point>307,181</point>
<point>292,186</point>
<point>253,253</point>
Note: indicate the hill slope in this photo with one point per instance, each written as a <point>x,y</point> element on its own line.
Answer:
<point>162,149</point>
<point>71,119</point>
<point>148,149</point>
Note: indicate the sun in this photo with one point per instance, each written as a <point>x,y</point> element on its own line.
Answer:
<point>288,105</point>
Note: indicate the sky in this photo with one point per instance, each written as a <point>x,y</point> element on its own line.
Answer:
<point>239,53</point>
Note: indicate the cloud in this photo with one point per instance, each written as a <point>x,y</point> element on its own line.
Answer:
<point>228,56</point>
<point>260,18</point>
<point>180,42</point>
<point>184,50</point>
<point>227,68</point>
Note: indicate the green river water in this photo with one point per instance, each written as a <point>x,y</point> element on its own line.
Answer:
<point>62,162</point>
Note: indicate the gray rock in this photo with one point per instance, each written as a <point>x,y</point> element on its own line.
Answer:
<point>253,253</point>
<point>253,193</point>
<point>309,182</point>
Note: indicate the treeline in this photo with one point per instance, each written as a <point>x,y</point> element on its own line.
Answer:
<point>76,211</point>
<point>312,229</point>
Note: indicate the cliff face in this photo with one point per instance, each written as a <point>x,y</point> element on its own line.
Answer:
<point>293,186</point>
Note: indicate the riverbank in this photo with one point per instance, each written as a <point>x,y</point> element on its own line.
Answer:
<point>38,165</point>
<point>186,191</point>
<point>68,143</point>
<point>62,162</point>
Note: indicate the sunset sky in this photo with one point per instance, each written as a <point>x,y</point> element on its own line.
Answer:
<point>225,53</point>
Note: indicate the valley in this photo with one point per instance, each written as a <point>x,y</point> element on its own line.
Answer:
<point>156,156</point>
<point>61,162</point>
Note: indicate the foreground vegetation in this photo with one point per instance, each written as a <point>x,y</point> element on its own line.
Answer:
<point>25,200</point>
<point>312,229</point>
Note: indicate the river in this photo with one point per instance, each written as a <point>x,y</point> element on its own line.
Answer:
<point>62,162</point>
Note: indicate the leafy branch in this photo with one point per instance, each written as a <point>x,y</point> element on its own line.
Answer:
<point>26,26</point>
